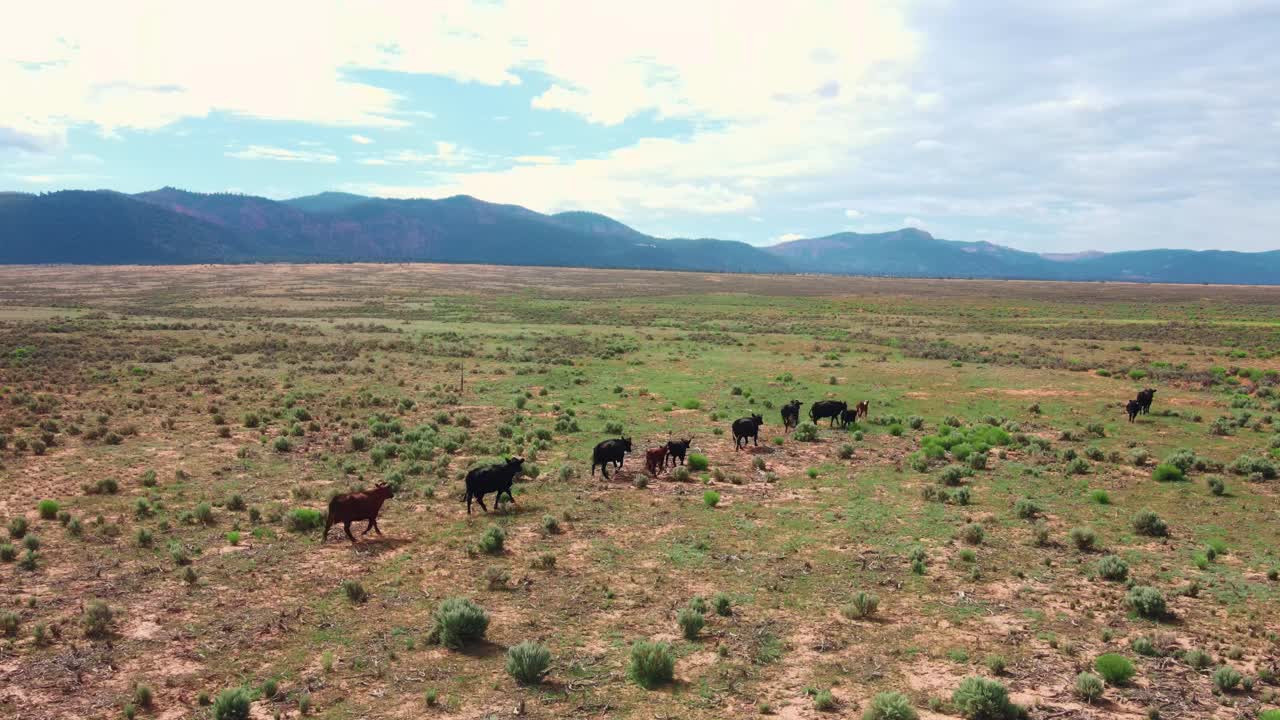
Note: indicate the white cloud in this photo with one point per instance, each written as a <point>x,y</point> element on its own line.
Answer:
<point>852,214</point>
<point>927,145</point>
<point>264,152</point>
<point>913,222</point>
<point>361,140</point>
<point>537,159</point>
<point>788,237</point>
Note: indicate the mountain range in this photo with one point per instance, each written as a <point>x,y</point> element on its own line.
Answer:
<point>172,226</point>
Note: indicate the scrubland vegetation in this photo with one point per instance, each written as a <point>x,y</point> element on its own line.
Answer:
<point>995,540</point>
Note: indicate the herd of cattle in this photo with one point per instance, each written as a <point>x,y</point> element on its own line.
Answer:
<point>498,479</point>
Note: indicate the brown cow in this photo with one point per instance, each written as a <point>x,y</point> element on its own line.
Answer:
<point>363,505</point>
<point>655,459</point>
<point>860,410</point>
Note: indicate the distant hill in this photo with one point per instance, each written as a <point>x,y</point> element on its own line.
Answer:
<point>173,226</point>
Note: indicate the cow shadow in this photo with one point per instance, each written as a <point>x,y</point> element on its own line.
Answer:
<point>481,649</point>
<point>374,546</point>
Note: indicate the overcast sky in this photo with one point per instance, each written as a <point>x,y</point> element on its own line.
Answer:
<point>1086,124</point>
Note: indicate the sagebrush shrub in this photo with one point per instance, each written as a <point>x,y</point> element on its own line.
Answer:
<point>1148,523</point>
<point>1113,568</point>
<point>1197,659</point>
<point>1027,509</point>
<point>18,527</point>
<point>96,619</point>
<point>972,534</point>
<point>691,622</point>
<point>304,519</point>
<point>652,664</point>
<point>862,605</point>
<point>1147,602</point>
<point>1084,538</point>
<point>890,706</point>
<point>722,604</point>
<point>1216,486</point>
<point>979,698</point>
<point>1088,687</point>
<point>493,540</point>
<point>952,475</point>
<point>806,432</point>
<point>1226,678</point>
<point>528,662</point>
<point>354,591</point>
<point>1143,645</point>
<point>232,705</point>
<point>1165,472</point>
<point>459,622</point>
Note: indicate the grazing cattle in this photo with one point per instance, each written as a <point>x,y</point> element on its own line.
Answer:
<point>363,505</point>
<point>861,410</point>
<point>790,415</point>
<point>655,459</point>
<point>492,479</point>
<point>609,451</point>
<point>747,427</point>
<point>1133,407</point>
<point>827,409</point>
<point>848,416</point>
<point>1144,400</point>
<point>676,450</point>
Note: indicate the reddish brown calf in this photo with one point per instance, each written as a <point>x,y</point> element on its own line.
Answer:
<point>655,459</point>
<point>363,505</point>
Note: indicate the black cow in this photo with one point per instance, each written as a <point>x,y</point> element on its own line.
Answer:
<point>676,450</point>
<point>747,427</point>
<point>492,479</point>
<point>1144,400</point>
<point>828,409</point>
<point>848,417</point>
<point>609,451</point>
<point>1133,408</point>
<point>790,415</point>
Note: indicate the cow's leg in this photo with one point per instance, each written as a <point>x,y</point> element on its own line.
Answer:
<point>510,497</point>
<point>328,523</point>
<point>755,440</point>
<point>367,527</point>
<point>375,526</point>
<point>346,527</point>
<point>480,499</point>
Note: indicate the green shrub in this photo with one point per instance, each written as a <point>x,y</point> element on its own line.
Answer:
<point>978,698</point>
<point>1100,497</point>
<point>8,553</point>
<point>890,706</point>
<point>1197,659</point>
<point>972,534</point>
<point>722,604</point>
<point>18,527</point>
<point>691,622</point>
<point>996,664</point>
<point>1083,538</point>
<point>1113,568</point>
<point>1148,523</point>
<point>1078,466</point>
<point>528,662</point>
<point>493,540</point>
<point>806,432</point>
<point>48,509</point>
<point>1216,486</point>
<point>459,622</point>
<point>204,513</point>
<point>96,619</point>
<point>1088,687</point>
<point>845,452</point>
<point>1147,602</point>
<point>952,475</point>
<point>304,519</point>
<point>142,696</point>
<point>1250,465</point>
<point>354,591</point>
<point>232,705</point>
<point>1167,473</point>
<point>1143,645</point>
<point>863,605</point>
<point>711,498</point>
<point>697,462</point>
<point>1027,509</point>
<point>652,664</point>
<point>1115,669</point>
<point>824,700</point>
<point>9,623</point>
<point>1226,678</point>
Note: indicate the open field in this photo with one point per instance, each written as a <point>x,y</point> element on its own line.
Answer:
<point>180,417</point>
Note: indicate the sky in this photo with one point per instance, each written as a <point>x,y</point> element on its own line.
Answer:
<point>1081,125</point>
